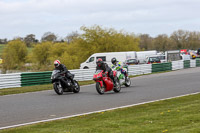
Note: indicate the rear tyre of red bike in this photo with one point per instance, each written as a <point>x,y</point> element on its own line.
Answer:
<point>100,89</point>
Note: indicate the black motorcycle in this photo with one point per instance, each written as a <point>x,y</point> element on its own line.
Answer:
<point>59,86</point>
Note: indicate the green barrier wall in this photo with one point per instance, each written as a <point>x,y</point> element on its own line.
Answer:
<point>36,78</point>
<point>161,67</point>
<point>186,63</point>
<point>197,62</point>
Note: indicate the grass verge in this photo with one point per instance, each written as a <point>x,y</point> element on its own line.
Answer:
<point>35,88</point>
<point>178,115</point>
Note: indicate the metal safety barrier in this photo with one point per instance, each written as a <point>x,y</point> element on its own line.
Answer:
<point>160,67</point>
<point>10,80</point>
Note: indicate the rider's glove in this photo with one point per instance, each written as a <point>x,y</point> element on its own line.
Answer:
<point>105,74</point>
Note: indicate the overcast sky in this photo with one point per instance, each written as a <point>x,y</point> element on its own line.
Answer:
<point>23,17</point>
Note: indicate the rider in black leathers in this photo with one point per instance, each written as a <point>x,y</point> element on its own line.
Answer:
<point>103,66</point>
<point>63,70</point>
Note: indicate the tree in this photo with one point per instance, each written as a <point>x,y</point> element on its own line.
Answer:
<point>18,38</point>
<point>96,39</point>
<point>30,39</point>
<point>48,36</point>
<point>14,55</point>
<point>40,55</point>
<point>146,42</point>
<point>162,43</point>
<point>180,39</point>
<point>70,37</point>
<point>194,40</point>
<point>3,41</point>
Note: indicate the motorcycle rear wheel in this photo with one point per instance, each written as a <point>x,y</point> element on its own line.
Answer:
<point>128,82</point>
<point>100,89</point>
<point>77,87</point>
<point>57,89</point>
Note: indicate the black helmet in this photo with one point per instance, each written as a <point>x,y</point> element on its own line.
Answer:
<point>113,60</point>
<point>99,62</point>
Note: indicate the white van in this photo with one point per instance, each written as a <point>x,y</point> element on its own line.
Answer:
<point>160,56</point>
<point>106,57</point>
<point>141,55</point>
<point>172,55</point>
<point>185,57</point>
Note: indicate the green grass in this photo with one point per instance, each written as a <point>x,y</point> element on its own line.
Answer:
<point>35,88</point>
<point>178,115</point>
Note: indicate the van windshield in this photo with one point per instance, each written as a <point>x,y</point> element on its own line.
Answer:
<point>91,59</point>
<point>154,59</point>
<point>132,61</point>
<point>161,57</point>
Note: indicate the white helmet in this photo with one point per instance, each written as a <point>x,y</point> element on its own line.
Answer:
<point>56,63</point>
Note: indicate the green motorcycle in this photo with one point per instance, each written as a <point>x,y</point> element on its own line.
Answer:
<point>121,77</point>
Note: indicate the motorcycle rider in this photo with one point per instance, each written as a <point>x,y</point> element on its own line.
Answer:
<point>117,65</point>
<point>104,66</point>
<point>63,70</point>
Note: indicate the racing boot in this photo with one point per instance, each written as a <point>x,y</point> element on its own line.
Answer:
<point>73,83</point>
<point>126,77</point>
<point>114,82</point>
<point>72,80</point>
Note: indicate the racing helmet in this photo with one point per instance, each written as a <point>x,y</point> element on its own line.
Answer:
<point>113,60</point>
<point>57,63</point>
<point>99,62</point>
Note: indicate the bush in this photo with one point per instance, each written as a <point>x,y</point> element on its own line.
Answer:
<point>14,55</point>
<point>40,56</point>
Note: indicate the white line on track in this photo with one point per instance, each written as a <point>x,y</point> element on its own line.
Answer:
<point>65,117</point>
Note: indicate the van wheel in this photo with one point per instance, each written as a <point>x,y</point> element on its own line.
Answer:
<point>86,67</point>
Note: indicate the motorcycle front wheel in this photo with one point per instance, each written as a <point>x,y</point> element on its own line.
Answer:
<point>100,89</point>
<point>58,89</point>
<point>117,86</point>
<point>77,87</point>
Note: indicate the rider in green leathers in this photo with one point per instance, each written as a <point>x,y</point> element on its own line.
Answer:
<point>118,66</point>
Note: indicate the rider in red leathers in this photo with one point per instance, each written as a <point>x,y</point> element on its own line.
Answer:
<point>103,66</point>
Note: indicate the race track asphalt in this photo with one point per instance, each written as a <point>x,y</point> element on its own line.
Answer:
<point>36,106</point>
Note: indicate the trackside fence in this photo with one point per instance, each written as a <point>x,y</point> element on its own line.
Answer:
<point>39,78</point>
<point>160,67</point>
<point>198,63</point>
<point>35,78</point>
<point>10,80</point>
<point>139,69</point>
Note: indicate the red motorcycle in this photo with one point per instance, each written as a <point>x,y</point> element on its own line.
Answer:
<point>105,83</point>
